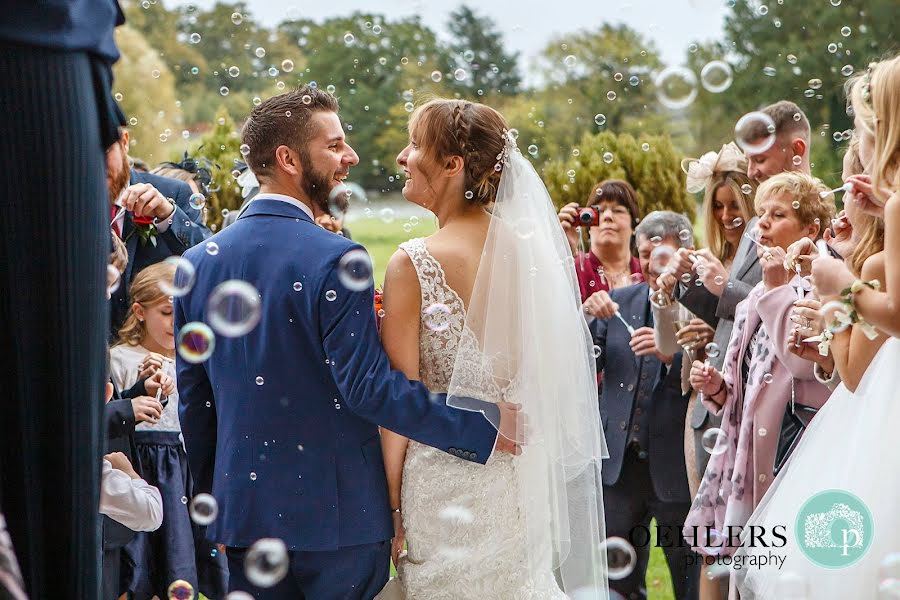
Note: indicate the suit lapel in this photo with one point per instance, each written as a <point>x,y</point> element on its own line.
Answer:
<point>745,256</point>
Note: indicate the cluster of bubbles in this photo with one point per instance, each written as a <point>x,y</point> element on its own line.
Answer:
<point>676,86</point>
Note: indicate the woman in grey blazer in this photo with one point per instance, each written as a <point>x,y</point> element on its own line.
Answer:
<point>711,282</point>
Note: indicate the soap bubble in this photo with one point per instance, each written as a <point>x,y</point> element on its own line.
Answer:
<point>621,557</point>
<point>197,201</point>
<point>234,308</point>
<point>676,87</point>
<point>437,317</point>
<point>195,342</point>
<point>204,509</point>
<point>716,76</point>
<point>355,270</point>
<point>714,441</point>
<point>600,119</point>
<point>180,590</point>
<point>266,562</point>
<point>183,280</point>
<point>755,132</point>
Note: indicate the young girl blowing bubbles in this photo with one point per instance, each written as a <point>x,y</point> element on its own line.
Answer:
<point>176,551</point>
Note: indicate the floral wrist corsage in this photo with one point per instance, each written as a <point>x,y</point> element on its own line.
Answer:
<point>845,314</point>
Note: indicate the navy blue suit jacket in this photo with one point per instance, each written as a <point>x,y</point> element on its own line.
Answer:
<point>186,230</point>
<point>626,377</point>
<point>298,457</point>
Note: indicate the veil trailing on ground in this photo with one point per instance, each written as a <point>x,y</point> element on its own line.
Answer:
<point>526,341</point>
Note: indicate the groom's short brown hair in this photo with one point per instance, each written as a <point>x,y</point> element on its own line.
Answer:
<point>282,120</point>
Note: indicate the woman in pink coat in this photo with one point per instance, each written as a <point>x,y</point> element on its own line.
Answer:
<point>760,374</point>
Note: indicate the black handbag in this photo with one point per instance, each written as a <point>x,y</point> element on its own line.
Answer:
<point>797,418</point>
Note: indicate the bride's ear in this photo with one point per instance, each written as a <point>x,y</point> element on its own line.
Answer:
<point>454,166</point>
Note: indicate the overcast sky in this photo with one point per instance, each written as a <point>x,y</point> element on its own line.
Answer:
<point>527,25</point>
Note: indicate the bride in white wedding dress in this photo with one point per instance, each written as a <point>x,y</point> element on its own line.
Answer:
<point>488,307</point>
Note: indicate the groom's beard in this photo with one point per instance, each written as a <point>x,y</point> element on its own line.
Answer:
<point>316,186</point>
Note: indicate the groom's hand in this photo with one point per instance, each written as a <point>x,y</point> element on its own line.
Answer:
<point>512,428</point>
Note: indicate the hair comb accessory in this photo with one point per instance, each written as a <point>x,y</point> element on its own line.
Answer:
<point>509,145</point>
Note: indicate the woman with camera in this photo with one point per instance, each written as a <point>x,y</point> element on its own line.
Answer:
<point>610,214</point>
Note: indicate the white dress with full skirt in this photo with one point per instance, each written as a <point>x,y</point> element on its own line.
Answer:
<point>850,445</point>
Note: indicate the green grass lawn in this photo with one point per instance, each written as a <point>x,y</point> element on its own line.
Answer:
<point>381,240</point>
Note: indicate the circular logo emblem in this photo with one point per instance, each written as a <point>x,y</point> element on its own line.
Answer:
<point>834,529</point>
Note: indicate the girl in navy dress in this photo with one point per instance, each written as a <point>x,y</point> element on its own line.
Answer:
<point>177,551</point>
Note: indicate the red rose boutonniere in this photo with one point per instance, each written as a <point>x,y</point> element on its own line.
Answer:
<point>146,229</point>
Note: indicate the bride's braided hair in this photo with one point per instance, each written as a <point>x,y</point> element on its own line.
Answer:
<point>444,128</point>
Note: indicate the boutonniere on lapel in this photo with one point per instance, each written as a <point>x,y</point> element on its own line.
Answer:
<point>146,229</point>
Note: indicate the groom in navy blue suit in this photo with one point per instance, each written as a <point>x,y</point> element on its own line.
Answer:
<point>281,425</point>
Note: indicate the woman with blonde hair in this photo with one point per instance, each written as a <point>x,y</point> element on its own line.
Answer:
<point>489,305</point>
<point>177,550</point>
<point>712,281</point>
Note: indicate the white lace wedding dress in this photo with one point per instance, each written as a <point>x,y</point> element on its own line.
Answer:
<point>851,446</point>
<point>464,526</point>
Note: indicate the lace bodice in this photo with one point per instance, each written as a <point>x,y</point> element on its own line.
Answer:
<point>443,317</point>
<point>447,347</point>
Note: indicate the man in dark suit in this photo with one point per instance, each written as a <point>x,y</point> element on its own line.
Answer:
<point>281,424</point>
<point>153,216</point>
<point>643,411</point>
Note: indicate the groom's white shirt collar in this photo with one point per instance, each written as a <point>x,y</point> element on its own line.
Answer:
<point>287,199</point>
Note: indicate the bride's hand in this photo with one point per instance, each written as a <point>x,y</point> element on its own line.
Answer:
<point>399,538</point>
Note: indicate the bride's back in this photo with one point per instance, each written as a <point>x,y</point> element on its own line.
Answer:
<point>458,248</point>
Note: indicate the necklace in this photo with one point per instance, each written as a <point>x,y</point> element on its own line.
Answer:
<point>613,279</point>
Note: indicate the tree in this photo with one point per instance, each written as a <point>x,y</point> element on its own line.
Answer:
<point>374,66</point>
<point>220,146</point>
<point>650,164</point>
<point>478,49</point>
<point>145,88</point>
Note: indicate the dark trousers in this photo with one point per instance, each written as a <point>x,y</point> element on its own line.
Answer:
<point>350,573</point>
<point>54,247</point>
<point>631,503</point>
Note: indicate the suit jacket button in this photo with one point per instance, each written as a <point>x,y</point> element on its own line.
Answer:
<point>474,456</point>
<point>630,387</point>
<point>466,454</point>
<point>642,454</point>
<point>623,425</point>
